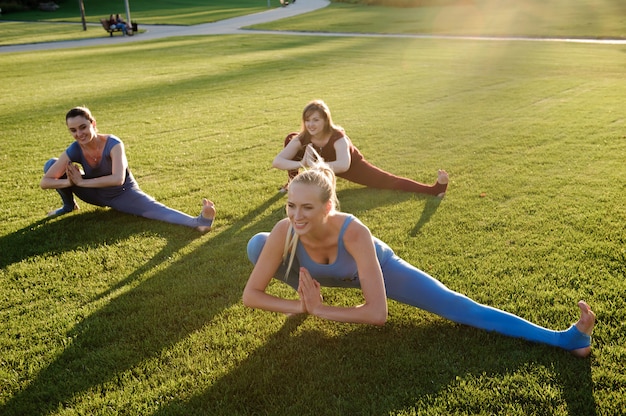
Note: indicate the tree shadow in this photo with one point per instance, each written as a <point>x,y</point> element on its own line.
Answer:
<point>305,372</point>
<point>137,324</point>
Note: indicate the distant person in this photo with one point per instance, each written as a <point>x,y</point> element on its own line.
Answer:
<point>317,245</point>
<point>121,24</point>
<point>105,179</point>
<point>318,132</point>
<point>111,21</point>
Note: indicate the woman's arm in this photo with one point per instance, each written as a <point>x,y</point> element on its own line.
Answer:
<point>119,164</point>
<point>342,156</point>
<point>284,160</point>
<point>343,160</point>
<point>254,294</point>
<point>358,241</point>
<point>52,178</point>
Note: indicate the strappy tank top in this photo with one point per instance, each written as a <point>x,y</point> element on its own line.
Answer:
<point>343,271</point>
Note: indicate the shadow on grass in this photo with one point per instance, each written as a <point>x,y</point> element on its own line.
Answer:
<point>391,369</point>
<point>357,200</point>
<point>53,236</point>
<point>140,323</point>
<point>432,204</point>
<point>137,324</point>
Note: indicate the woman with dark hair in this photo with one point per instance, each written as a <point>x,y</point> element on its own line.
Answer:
<point>329,140</point>
<point>105,179</point>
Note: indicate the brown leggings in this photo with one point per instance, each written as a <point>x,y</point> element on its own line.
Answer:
<point>366,174</point>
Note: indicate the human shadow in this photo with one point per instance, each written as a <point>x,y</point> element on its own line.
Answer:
<point>291,365</point>
<point>53,236</point>
<point>432,204</point>
<point>124,332</point>
<point>138,323</point>
<point>385,370</point>
<point>356,200</point>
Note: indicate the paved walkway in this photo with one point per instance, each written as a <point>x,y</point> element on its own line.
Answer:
<point>235,25</point>
<point>223,27</point>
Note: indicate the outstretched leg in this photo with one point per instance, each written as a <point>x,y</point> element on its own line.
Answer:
<point>366,174</point>
<point>407,284</point>
<point>136,202</point>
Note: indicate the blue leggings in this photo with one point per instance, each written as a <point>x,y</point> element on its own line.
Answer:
<point>407,284</point>
<point>131,200</point>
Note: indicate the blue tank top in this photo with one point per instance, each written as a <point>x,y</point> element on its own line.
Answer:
<point>104,168</point>
<point>343,271</point>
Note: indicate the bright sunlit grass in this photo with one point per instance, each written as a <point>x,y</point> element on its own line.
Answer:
<point>104,313</point>
<point>554,18</point>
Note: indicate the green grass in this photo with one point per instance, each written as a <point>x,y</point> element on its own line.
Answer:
<point>553,18</point>
<point>103,313</point>
<point>556,18</point>
<point>23,33</point>
<point>179,12</point>
<point>64,24</point>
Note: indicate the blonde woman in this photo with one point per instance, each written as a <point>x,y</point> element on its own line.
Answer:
<point>317,245</point>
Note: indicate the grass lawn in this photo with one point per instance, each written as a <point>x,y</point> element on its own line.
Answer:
<point>556,18</point>
<point>180,12</point>
<point>103,313</point>
<point>64,24</point>
<point>553,18</point>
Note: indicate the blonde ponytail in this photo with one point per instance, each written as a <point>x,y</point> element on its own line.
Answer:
<point>291,242</point>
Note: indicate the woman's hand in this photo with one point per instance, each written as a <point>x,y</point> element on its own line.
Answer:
<point>309,292</point>
<point>309,157</point>
<point>74,174</point>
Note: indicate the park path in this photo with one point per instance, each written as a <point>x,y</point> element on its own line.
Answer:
<point>235,25</point>
<point>222,27</point>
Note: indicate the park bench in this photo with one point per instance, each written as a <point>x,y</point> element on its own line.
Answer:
<point>106,26</point>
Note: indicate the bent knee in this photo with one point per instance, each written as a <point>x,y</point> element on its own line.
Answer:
<point>49,164</point>
<point>255,246</point>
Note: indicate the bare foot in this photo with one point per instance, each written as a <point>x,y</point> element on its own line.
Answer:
<point>585,325</point>
<point>442,183</point>
<point>208,212</point>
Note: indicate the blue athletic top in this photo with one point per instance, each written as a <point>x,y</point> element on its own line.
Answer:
<point>407,284</point>
<point>343,271</point>
<point>104,168</point>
